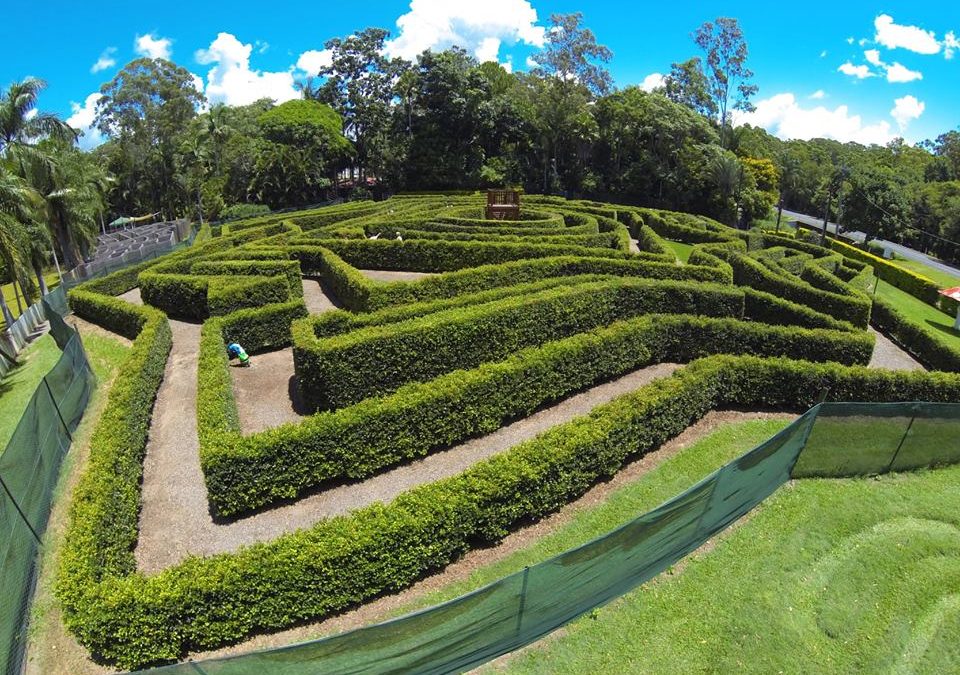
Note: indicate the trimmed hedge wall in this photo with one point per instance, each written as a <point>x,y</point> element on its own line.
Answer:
<point>916,285</point>
<point>853,306</point>
<point>344,369</point>
<point>446,256</point>
<point>132,620</point>
<point>361,294</point>
<point>356,442</point>
<point>290,269</point>
<point>770,309</point>
<point>197,297</point>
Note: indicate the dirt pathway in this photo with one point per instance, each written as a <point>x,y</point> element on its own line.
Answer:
<point>174,492</point>
<point>317,299</point>
<point>634,246</point>
<point>384,275</point>
<point>266,392</point>
<point>132,296</point>
<point>888,355</point>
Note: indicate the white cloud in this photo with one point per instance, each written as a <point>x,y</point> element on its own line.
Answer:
<point>899,73</point>
<point>312,61</point>
<point>823,54</point>
<point>152,47</point>
<point>784,117</point>
<point>652,81</point>
<point>438,24</point>
<point>818,94</point>
<point>232,81</point>
<point>912,38</point>
<point>873,56</point>
<point>105,61</point>
<point>531,63</point>
<point>906,109</point>
<point>849,40</point>
<point>859,72</point>
<point>82,120</point>
<point>950,43</point>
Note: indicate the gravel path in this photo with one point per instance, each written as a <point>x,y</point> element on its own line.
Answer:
<point>132,296</point>
<point>384,275</point>
<point>174,492</point>
<point>317,299</point>
<point>888,355</point>
<point>266,392</point>
<point>634,246</point>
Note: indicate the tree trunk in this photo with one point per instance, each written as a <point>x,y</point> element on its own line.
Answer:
<point>41,282</point>
<point>7,314</point>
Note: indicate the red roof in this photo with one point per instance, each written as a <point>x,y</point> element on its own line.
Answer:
<point>951,292</point>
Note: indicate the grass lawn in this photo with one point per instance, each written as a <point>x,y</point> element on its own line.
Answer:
<point>681,250</point>
<point>923,314</point>
<point>18,386</point>
<point>8,294</point>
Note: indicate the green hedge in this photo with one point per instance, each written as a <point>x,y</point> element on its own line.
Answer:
<point>923,342</point>
<point>344,369</point>
<point>203,603</point>
<point>263,328</point>
<point>916,285</point>
<point>119,282</point>
<point>252,266</point>
<point>771,309</point>
<point>179,295</point>
<point>197,297</point>
<point>229,294</point>
<point>446,256</point>
<point>118,316</point>
<point>355,442</point>
<point>852,306</point>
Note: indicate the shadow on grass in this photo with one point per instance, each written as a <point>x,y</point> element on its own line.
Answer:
<point>952,332</point>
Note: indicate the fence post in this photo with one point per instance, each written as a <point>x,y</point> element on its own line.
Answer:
<point>20,511</point>
<point>902,441</point>
<point>523,597</point>
<point>57,408</point>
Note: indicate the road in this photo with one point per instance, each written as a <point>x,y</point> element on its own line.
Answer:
<point>899,249</point>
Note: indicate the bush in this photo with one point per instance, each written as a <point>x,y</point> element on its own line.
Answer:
<point>770,309</point>
<point>916,285</point>
<point>345,369</point>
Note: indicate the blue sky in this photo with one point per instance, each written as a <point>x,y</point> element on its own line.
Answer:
<point>853,71</point>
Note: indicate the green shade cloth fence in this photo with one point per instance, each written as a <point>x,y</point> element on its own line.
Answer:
<point>29,468</point>
<point>830,440</point>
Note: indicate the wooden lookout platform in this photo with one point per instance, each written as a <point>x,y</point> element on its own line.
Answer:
<point>503,205</point>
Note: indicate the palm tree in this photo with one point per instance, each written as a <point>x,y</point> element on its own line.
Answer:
<point>17,202</point>
<point>21,124</point>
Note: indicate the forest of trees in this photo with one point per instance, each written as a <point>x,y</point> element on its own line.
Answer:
<point>368,126</point>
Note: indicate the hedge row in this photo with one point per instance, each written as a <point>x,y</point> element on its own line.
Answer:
<point>338,321</point>
<point>253,265</point>
<point>771,309</point>
<point>852,306</point>
<point>599,240</point>
<point>203,603</point>
<point>111,313</point>
<point>923,342</point>
<point>341,370</point>
<point>197,297</point>
<point>446,256</point>
<point>916,285</point>
<point>356,442</point>
<point>102,530</point>
<point>361,294</point>
<point>671,226</point>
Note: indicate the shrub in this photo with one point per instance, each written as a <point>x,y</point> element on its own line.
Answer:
<point>238,211</point>
<point>928,347</point>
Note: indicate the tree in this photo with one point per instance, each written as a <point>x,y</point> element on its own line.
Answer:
<point>359,85</point>
<point>687,85</point>
<point>21,125</point>
<point>727,74</point>
<point>17,204</point>
<point>146,108</point>
<point>567,78</point>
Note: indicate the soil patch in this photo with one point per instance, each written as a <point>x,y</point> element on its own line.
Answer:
<point>317,297</point>
<point>266,392</point>
<point>132,296</point>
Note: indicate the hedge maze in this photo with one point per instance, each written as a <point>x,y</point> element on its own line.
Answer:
<point>515,317</point>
